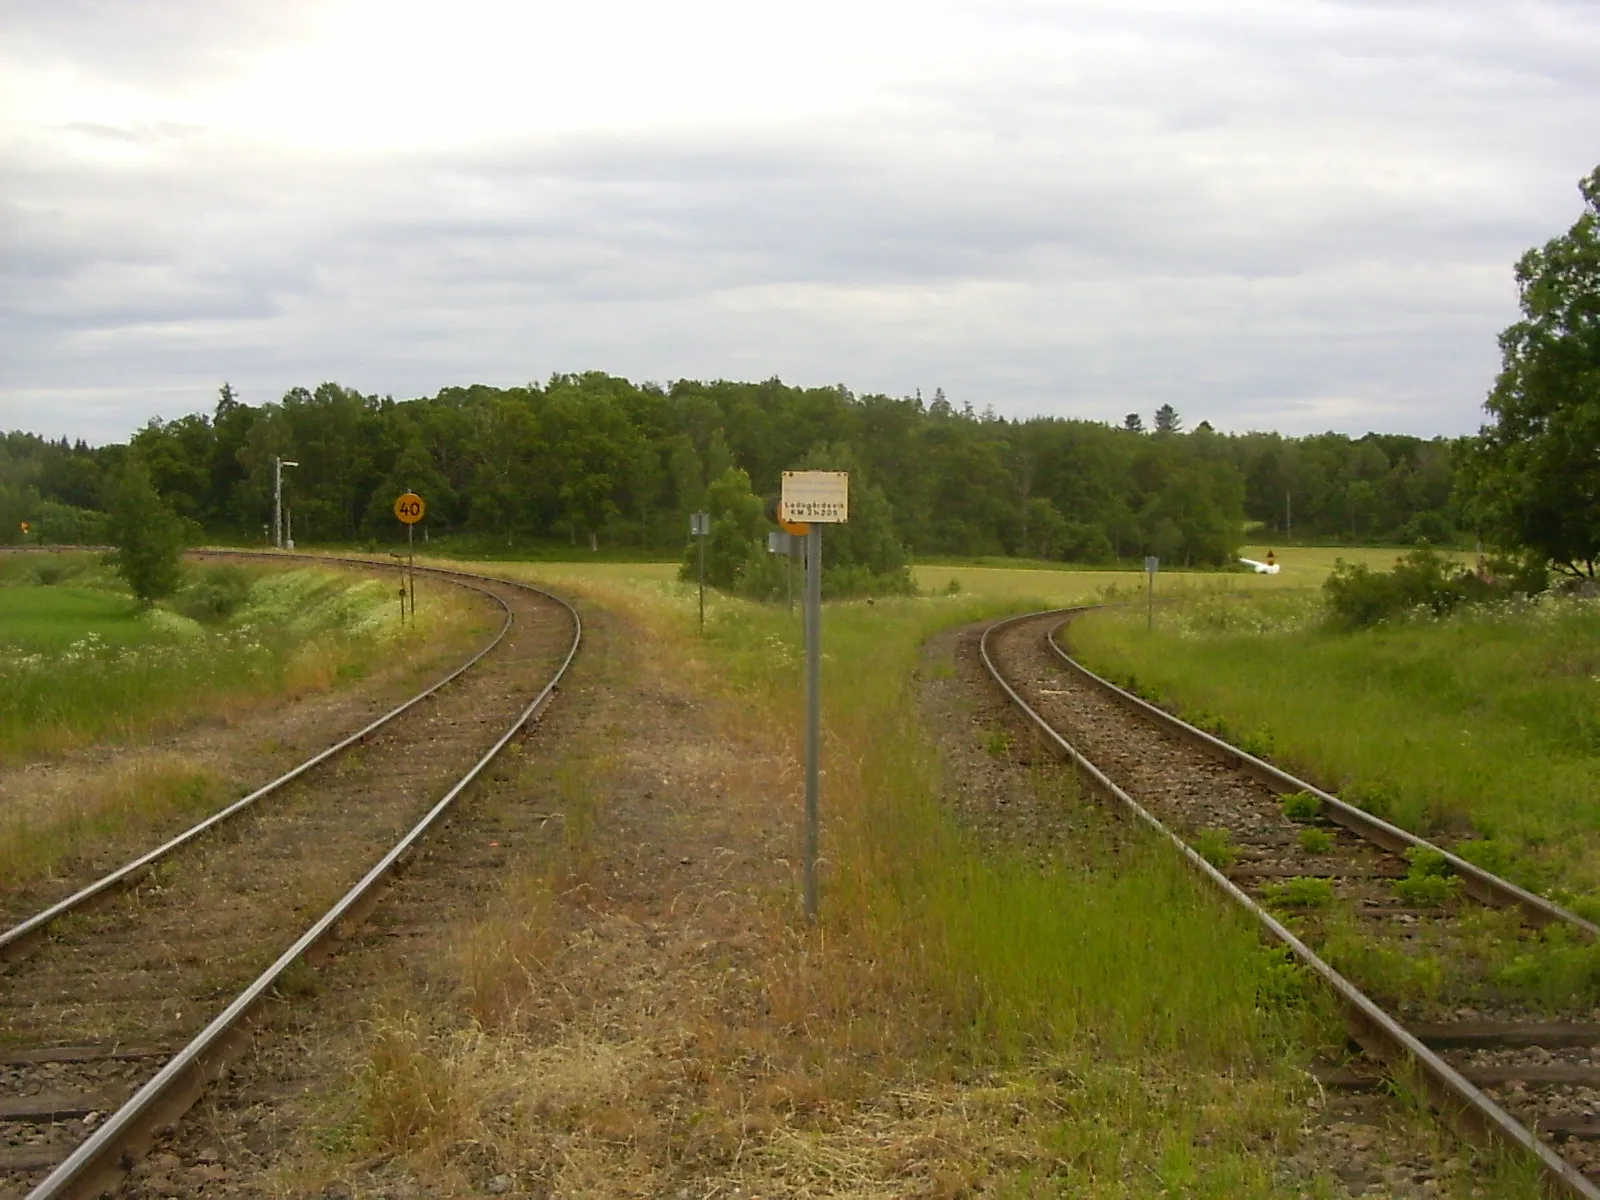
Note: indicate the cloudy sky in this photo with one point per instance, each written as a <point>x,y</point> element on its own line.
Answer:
<point>1282,214</point>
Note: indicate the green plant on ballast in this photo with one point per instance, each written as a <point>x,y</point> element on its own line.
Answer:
<point>1302,806</point>
<point>1316,841</point>
<point>997,742</point>
<point>1303,891</point>
<point>1430,880</point>
<point>1216,847</point>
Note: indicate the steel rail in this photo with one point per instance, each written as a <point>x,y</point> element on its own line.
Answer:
<point>1485,885</point>
<point>1378,1033</point>
<point>101,1161</point>
<point>13,941</point>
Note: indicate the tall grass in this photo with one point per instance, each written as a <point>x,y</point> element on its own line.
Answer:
<point>1481,728</point>
<point>298,631</point>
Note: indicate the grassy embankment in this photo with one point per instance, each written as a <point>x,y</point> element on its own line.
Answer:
<point>83,665</point>
<point>1118,1011</point>
<point>1480,730</point>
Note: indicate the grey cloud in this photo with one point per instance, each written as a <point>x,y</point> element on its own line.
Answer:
<point>1323,232</point>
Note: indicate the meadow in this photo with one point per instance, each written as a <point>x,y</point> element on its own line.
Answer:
<point>82,664</point>
<point>1481,729</point>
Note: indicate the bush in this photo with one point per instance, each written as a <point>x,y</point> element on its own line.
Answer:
<point>216,595</point>
<point>1316,841</point>
<point>1301,806</point>
<point>57,569</point>
<point>1216,847</point>
<point>1424,580</point>
<point>1303,891</point>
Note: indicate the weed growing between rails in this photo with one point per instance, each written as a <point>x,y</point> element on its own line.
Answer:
<point>294,632</point>
<point>1481,729</point>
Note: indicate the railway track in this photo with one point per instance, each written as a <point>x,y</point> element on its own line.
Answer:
<point>119,1004</point>
<point>1529,1078</point>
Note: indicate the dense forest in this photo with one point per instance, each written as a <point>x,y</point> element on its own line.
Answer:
<point>596,460</point>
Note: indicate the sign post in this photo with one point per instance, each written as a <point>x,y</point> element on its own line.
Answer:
<point>700,528</point>
<point>1152,564</point>
<point>812,499</point>
<point>410,508</point>
<point>782,542</point>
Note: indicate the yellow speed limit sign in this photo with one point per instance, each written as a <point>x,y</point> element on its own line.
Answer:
<point>410,508</point>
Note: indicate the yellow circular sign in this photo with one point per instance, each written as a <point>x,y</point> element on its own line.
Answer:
<point>410,508</point>
<point>793,528</point>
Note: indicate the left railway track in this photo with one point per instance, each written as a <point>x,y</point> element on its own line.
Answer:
<point>138,991</point>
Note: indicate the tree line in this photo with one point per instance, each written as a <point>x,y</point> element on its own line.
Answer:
<point>596,459</point>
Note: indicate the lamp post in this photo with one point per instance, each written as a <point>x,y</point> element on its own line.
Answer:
<point>278,464</point>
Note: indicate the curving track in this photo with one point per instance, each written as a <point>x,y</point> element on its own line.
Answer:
<point>1530,1079</point>
<point>123,1001</point>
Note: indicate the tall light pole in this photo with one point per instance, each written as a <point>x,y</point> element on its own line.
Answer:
<point>278,464</point>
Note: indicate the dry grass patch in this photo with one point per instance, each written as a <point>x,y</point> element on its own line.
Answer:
<point>38,837</point>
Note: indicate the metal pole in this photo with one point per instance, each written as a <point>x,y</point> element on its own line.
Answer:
<point>788,555</point>
<point>813,708</point>
<point>411,567</point>
<point>1150,610</point>
<point>702,581</point>
<point>277,501</point>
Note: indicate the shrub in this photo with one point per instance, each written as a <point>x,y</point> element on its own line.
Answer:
<point>1426,891</point>
<point>1423,579</point>
<point>1316,841</point>
<point>54,570</point>
<point>1428,863</point>
<point>1216,847</point>
<point>216,595</point>
<point>1303,891</point>
<point>1302,806</point>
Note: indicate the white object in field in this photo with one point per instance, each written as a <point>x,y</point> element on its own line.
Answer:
<point>1261,567</point>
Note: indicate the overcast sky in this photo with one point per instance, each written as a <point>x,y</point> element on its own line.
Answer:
<point>1280,215</point>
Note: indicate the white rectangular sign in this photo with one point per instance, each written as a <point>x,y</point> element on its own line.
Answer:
<point>819,497</point>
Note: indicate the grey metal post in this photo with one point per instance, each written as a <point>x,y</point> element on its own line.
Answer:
<point>788,572</point>
<point>813,708</point>
<point>1150,607</point>
<point>411,567</point>
<point>277,502</point>
<point>702,541</point>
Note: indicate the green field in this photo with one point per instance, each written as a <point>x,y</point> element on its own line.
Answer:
<point>82,662</point>
<point>52,618</point>
<point>1481,729</point>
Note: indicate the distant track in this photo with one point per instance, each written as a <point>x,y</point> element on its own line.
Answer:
<point>1178,779</point>
<point>336,807</point>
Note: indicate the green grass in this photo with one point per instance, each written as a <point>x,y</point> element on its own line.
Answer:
<point>1481,730</point>
<point>52,618</point>
<point>81,663</point>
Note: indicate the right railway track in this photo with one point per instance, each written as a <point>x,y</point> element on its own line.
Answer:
<point>1525,1074</point>
<point>122,1002</point>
